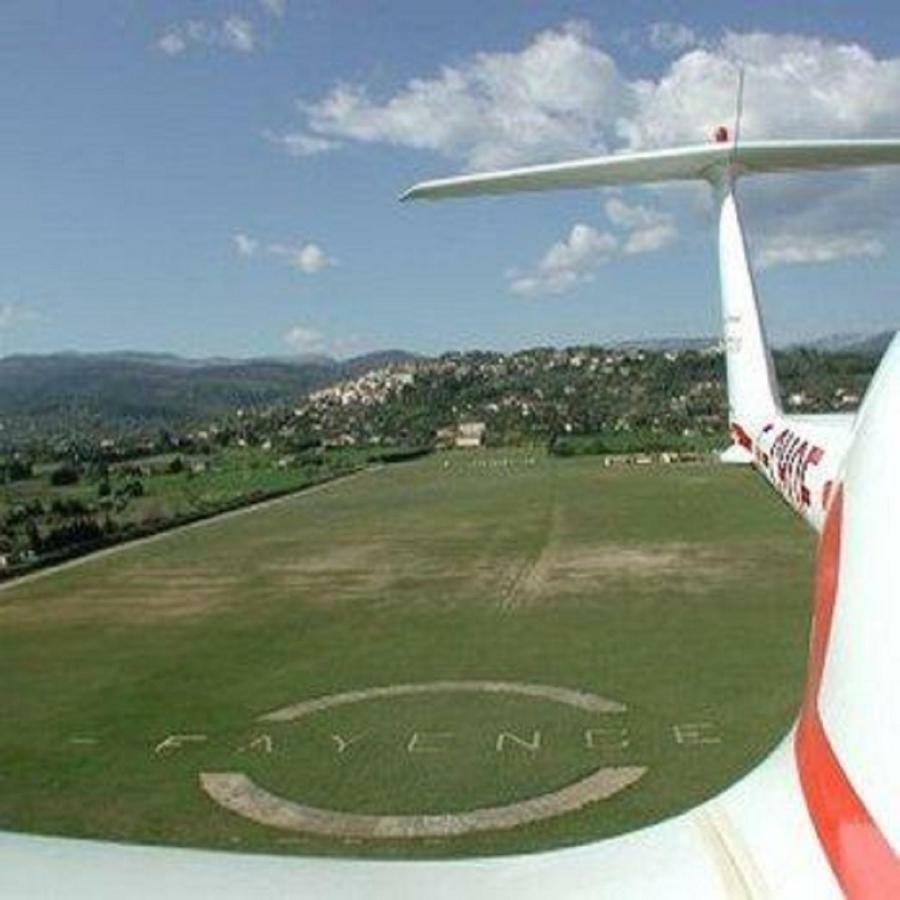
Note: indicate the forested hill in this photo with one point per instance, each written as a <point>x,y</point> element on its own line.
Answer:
<point>118,393</point>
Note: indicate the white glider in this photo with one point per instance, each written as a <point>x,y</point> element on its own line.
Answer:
<point>821,816</point>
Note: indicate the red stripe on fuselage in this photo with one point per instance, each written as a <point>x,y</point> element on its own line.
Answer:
<point>863,861</point>
<point>741,436</point>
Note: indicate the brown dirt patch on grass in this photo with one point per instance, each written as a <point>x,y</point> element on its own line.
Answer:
<point>566,570</point>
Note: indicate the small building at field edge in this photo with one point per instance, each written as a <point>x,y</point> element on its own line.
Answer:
<point>470,434</point>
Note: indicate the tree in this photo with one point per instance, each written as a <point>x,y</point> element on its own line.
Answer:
<point>15,469</point>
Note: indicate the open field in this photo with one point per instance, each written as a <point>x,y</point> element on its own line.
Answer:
<point>43,521</point>
<point>680,595</point>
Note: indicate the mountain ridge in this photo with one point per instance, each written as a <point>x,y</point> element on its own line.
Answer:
<point>78,395</point>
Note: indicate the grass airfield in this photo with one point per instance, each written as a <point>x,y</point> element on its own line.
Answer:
<point>681,592</point>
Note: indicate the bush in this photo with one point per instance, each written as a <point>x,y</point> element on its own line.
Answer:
<point>67,508</point>
<point>64,475</point>
<point>15,470</point>
<point>400,454</point>
<point>78,531</point>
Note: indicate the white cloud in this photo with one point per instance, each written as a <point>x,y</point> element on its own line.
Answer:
<point>308,256</point>
<point>819,219</point>
<point>274,7</point>
<point>792,249</point>
<point>567,264</point>
<point>232,33</point>
<point>574,260</point>
<point>556,97</point>
<point>649,240</point>
<point>7,316</point>
<point>650,229</point>
<point>563,95</point>
<point>300,144</point>
<point>351,345</point>
<point>12,315</point>
<point>245,245</point>
<point>794,87</point>
<point>671,36</point>
<point>172,43</point>
<point>305,340</point>
<point>239,34</point>
<point>632,217</point>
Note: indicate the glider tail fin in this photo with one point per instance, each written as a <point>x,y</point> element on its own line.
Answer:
<point>753,397</point>
<point>752,388</point>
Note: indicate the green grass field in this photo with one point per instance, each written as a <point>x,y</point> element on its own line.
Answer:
<point>228,475</point>
<point>681,592</point>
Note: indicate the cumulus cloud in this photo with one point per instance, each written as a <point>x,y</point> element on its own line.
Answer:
<point>573,261</point>
<point>554,98</point>
<point>819,219</point>
<point>307,257</point>
<point>671,36</point>
<point>567,264</point>
<point>649,229</point>
<point>239,34</point>
<point>172,43</point>
<point>232,33</point>
<point>563,95</point>
<point>301,144</point>
<point>245,245</point>
<point>791,249</point>
<point>648,240</point>
<point>304,340</point>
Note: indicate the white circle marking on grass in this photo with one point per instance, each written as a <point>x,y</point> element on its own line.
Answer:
<point>236,792</point>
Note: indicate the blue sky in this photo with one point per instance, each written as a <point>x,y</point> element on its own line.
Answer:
<point>220,177</point>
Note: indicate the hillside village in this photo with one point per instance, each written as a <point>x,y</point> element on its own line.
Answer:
<point>72,490</point>
<point>518,397</point>
<point>667,397</point>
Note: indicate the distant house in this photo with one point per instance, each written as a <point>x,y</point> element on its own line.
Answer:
<point>446,437</point>
<point>470,434</point>
<point>339,440</point>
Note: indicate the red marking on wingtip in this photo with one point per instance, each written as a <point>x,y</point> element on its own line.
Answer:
<point>860,856</point>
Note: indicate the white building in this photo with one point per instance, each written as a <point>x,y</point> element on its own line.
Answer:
<point>470,434</point>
